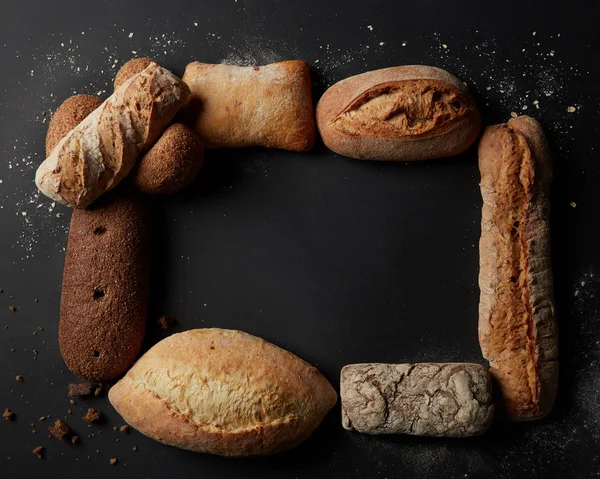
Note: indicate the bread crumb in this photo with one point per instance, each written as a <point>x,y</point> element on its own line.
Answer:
<point>113,461</point>
<point>19,378</point>
<point>166,322</point>
<point>42,418</point>
<point>12,308</point>
<point>8,414</point>
<point>92,415</point>
<point>124,428</point>
<point>98,390</point>
<point>370,27</point>
<point>571,109</point>
<point>60,430</point>
<point>572,204</point>
<point>513,114</point>
<point>131,35</point>
<point>74,439</point>
<point>444,46</point>
<point>134,448</point>
<point>534,33</point>
<point>80,389</point>
<point>38,451</point>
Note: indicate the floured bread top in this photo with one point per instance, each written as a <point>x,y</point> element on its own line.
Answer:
<point>407,108</point>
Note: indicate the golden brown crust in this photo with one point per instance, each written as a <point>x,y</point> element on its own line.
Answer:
<point>234,107</point>
<point>131,68</point>
<point>398,114</point>
<point>171,164</point>
<point>517,323</point>
<point>105,288</point>
<point>223,392</point>
<point>67,116</point>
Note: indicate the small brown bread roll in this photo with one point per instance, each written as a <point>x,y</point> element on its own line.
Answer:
<point>517,321</point>
<point>105,288</point>
<point>131,68</point>
<point>424,399</point>
<point>67,116</point>
<point>398,114</point>
<point>172,163</point>
<point>234,107</point>
<point>223,392</point>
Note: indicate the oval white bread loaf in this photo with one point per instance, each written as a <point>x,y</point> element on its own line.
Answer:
<point>97,154</point>
<point>411,112</point>
<point>223,392</point>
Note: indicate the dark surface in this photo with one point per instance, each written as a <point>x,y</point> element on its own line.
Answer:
<point>337,260</point>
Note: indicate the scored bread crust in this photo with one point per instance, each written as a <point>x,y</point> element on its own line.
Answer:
<point>517,322</point>
<point>233,106</point>
<point>447,139</point>
<point>99,152</point>
<point>223,392</point>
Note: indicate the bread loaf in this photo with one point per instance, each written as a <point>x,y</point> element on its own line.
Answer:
<point>517,323</point>
<point>233,106</point>
<point>172,162</point>
<point>223,392</point>
<point>426,399</point>
<point>96,155</point>
<point>67,116</point>
<point>398,114</point>
<point>105,288</point>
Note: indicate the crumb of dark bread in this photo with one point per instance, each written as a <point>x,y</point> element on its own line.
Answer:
<point>60,430</point>
<point>67,116</point>
<point>166,322</point>
<point>38,451</point>
<point>131,68</point>
<point>80,389</point>
<point>92,415</point>
<point>19,378</point>
<point>124,428</point>
<point>113,461</point>
<point>98,390</point>
<point>8,414</point>
<point>75,439</point>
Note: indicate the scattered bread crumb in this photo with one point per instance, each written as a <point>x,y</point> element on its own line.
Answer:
<point>75,439</point>
<point>572,204</point>
<point>98,390</point>
<point>19,378</point>
<point>113,461</point>
<point>124,428</point>
<point>38,451</point>
<point>60,430</point>
<point>134,448</point>
<point>8,414</point>
<point>166,322</point>
<point>571,109</point>
<point>80,389</point>
<point>12,308</point>
<point>513,114</point>
<point>92,415</point>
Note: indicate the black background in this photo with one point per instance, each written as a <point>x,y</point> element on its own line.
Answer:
<point>337,260</point>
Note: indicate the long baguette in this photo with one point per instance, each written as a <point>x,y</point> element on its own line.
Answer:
<point>97,154</point>
<point>517,323</point>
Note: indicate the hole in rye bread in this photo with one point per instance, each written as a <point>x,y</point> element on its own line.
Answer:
<point>513,279</point>
<point>98,294</point>
<point>455,103</point>
<point>95,354</point>
<point>99,230</point>
<point>437,96</point>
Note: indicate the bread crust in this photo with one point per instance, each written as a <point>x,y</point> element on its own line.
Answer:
<point>517,322</point>
<point>105,288</point>
<point>223,392</point>
<point>99,152</point>
<point>234,107</point>
<point>423,399</point>
<point>407,94</point>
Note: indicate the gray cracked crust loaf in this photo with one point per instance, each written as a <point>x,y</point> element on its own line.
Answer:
<point>223,392</point>
<point>517,322</point>
<point>402,113</point>
<point>234,106</point>
<point>99,152</point>
<point>424,399</point>
<point>105,287</point>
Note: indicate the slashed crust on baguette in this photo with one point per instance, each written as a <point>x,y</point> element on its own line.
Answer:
<point>517,324</point>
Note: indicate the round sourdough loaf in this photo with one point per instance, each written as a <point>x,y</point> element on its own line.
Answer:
<point>223,392</point>
<point>401,113</point>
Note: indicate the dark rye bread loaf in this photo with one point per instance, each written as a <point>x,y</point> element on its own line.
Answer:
<point>404,113</point>
<point>105,288</point>
<point>517,321</point>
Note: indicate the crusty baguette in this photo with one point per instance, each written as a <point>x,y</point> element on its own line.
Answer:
<point>517,323</point>
<point>400,113</point>
<point>105,288</point>
<point>96,155</point>
<point>233,106</point>
<point>223,392</point>
<point>423,399</point>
